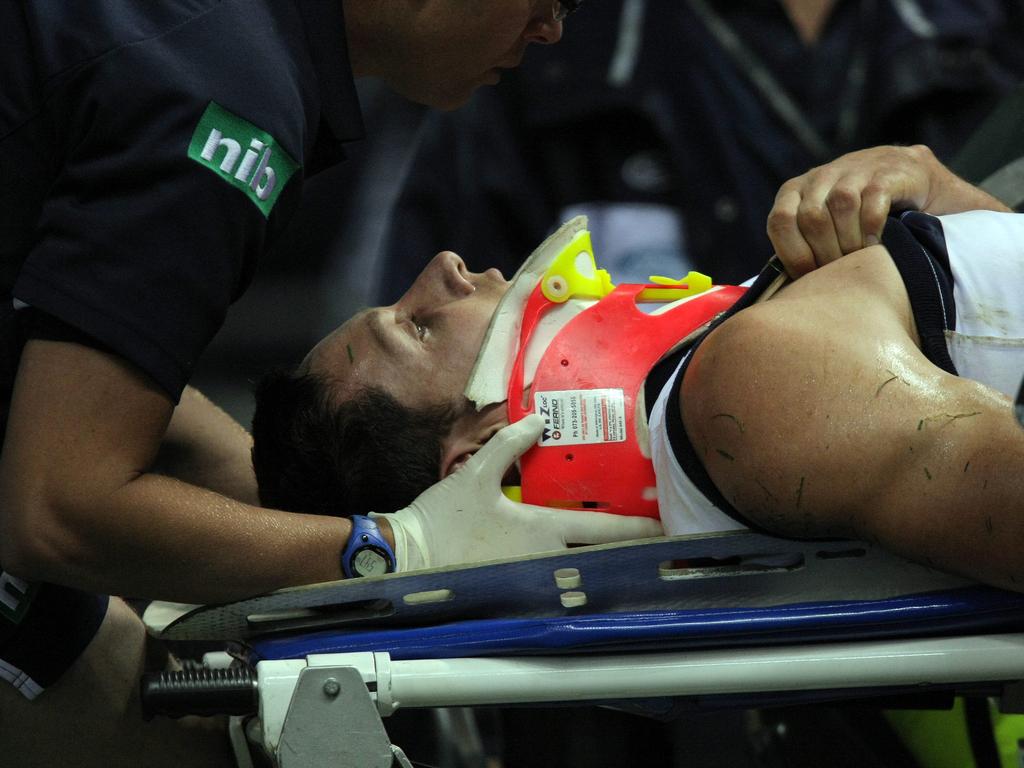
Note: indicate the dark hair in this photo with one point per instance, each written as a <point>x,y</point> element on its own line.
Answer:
<point>367,453</point>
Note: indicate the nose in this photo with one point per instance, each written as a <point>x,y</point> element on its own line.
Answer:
<point>544,30</point>
<point>444,279</point>
<point>545,27</point>
<point>452,273</point>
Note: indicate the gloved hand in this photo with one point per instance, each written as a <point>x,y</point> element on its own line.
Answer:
<point>466,518</point>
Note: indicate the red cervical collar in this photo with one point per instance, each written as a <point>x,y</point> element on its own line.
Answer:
<point>587,386</point>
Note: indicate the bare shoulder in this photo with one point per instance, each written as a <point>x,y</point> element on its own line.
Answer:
<point>816,414</point>
<point>772,396</point>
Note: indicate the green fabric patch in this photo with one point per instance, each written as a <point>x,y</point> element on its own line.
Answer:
<point>243,155</point>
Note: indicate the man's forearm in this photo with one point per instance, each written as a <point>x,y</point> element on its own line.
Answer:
<point>955,195</point>
<point>173,541</point>
<point>204,446</point>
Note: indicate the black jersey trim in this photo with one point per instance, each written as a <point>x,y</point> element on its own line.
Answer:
<point>58,627</point>
<point>682,448</point>
<point>918,248</point>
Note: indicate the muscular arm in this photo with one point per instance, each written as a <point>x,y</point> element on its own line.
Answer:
<point>80,506</point>
<point>816,415</point>
<point>204,446</point>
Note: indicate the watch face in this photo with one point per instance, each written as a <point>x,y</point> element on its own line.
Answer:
<point>369,561</point>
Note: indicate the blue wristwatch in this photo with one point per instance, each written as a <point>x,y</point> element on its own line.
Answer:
<point>367,552</point>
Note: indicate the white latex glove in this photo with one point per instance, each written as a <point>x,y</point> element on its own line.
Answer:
<point>466,518</point>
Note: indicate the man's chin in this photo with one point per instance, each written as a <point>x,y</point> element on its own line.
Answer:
<point>449,102</point>
<point>446,99</point>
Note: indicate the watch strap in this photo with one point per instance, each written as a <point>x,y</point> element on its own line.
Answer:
<point>367,552</point>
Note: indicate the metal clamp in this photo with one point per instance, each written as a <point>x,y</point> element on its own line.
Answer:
<point>332,721</point>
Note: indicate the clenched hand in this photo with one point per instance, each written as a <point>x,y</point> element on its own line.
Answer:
<point>841,207</point>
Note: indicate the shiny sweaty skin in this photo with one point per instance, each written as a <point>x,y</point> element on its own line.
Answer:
<point>816,414</point>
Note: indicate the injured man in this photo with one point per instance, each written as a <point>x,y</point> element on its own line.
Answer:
<point>868,399</point>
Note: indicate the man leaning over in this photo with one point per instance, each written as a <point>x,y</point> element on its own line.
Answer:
<point>151,151</point>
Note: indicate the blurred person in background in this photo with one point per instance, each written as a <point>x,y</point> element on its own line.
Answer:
<point>672,124</point>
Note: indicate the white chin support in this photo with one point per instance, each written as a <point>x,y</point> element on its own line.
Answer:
<point>488,383</point>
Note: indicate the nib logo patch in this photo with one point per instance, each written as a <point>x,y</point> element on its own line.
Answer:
<point>243,155</point>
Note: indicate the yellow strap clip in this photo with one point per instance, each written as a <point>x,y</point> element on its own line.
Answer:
<point>574,273</point>
<point>691,285</point>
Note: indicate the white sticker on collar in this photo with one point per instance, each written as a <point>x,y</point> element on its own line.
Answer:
<point>579,416</point>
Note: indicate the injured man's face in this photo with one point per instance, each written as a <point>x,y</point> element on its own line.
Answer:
<point>421,349</point>
<point>376,410</point>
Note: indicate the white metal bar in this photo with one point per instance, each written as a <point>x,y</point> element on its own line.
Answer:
<point>479,681</point>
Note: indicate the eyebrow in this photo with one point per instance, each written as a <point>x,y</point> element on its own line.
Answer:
<point>376,325</point>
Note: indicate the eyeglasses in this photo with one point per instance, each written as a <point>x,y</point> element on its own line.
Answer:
<point>563,8</point>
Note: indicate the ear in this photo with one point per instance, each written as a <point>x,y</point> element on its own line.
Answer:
<point>455,456</point>
<point>468,435</point>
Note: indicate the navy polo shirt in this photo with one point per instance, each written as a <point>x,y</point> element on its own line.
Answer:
<point>150,152</point>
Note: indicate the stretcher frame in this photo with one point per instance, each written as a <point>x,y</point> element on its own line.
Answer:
<point>723,619</point>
